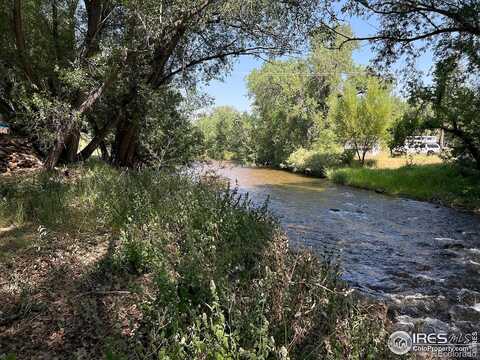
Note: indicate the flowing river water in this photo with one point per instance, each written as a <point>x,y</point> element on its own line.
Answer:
<point>422,259</point>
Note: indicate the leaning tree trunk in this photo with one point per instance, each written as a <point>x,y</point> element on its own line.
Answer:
<point>124,151</point>
<point>68,136</point>
<point>72,143</point>
<point>98,140</point>
<point>61,138</point>
<point>65,137</point>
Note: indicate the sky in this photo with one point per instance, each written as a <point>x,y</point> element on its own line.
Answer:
<point>232,90</point>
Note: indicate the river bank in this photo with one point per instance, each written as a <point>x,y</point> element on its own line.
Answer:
<point>104,263</point>
<point>422,259</point>
<point>439,183</point>
<point>444,184</point>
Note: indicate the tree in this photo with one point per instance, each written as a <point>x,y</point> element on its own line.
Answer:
<point>452,104</point>
<point>169,138</point>
<point>183,42</point>
<point>285,109</point>
<point>328,63</point>
<point>291,99</point>
<point>52,52</point>
<point>226,133</point>
<point>362,113</point>
<point>452,31</point>
<point>404,127</point>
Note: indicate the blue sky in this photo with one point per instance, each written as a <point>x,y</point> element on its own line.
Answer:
<point>232,90</point>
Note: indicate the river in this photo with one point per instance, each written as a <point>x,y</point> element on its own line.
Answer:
<point>422,259</point>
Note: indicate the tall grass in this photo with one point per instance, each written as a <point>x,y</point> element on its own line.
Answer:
<point>443,183</point>
<point>225,284</point>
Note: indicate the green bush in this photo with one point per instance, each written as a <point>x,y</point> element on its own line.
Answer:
<point>313,162</point>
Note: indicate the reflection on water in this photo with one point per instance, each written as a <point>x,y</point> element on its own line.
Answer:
<point>248,177</point>
<point>422,258</point>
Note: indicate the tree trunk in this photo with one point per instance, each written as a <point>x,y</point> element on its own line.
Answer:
<point>126,141</point>
<point>70,124</point>
<point>95,10</point>
<point>71,146</point>
<point>20,40</point>
<point>124,151</point>
<point>67,136</point>
<point>104,151</point>
<point>59,143</point>
<point>98,141</point>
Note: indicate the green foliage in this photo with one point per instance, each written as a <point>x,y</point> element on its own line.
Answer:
<point>291,100</point>
<point>169,137</point>
<point>224,283</point>
<point>451,104</point>
<point>306,110</point>
<point>8,357</point>
<point>286,111</point>
<point>450,31</point>
<point>110,66</point>
<point>313,162</point>
<point>445,183</point>
<point>228,134</point>
<point>362,113</point>
<point>403,127</point>
<point>329,60</point>
<point>407,30</point>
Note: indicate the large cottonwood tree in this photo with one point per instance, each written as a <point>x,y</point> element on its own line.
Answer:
<point>183,42</point>
<point>49,49</point>
<point>290,98</point>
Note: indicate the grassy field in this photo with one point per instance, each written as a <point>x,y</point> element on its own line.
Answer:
<point>99,263</point>
<point>427,179</point>
<point>384,161</point>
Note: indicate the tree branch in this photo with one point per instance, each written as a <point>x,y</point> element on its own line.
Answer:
<point>237,52</point>
<point>398,39</point>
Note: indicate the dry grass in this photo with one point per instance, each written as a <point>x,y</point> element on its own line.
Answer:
<point>385,161</point>
<point>57,299</point>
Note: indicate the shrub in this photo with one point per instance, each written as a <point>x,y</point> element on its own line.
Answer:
<point>313,162</point>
